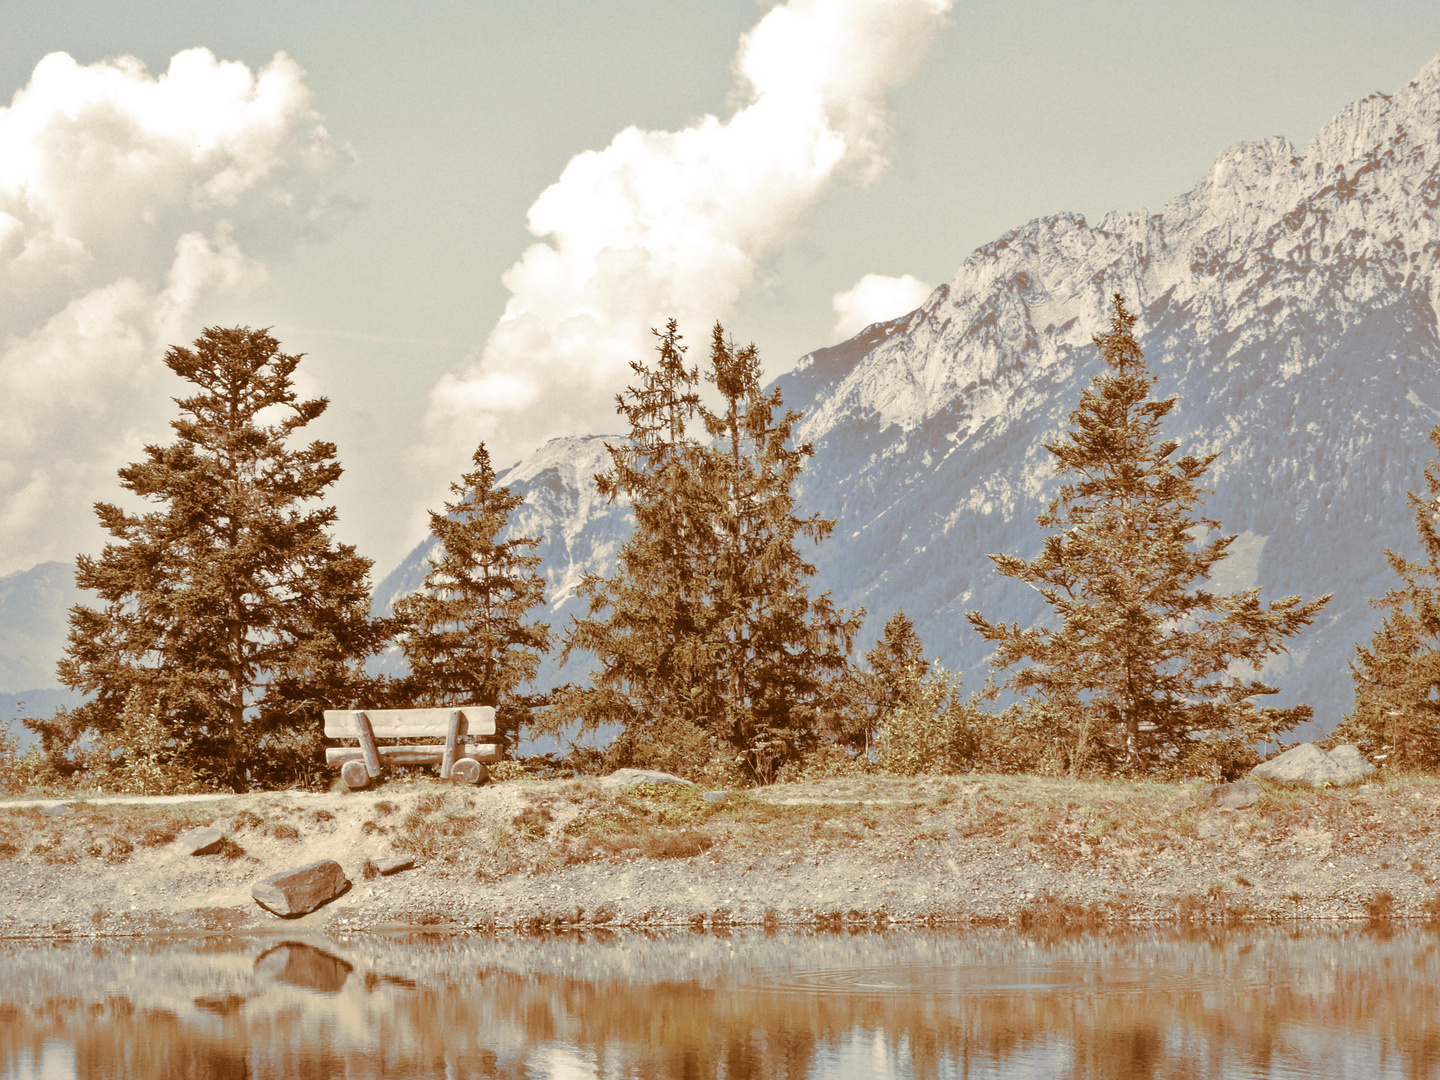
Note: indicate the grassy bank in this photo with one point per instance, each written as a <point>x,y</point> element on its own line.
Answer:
<point>972,849</point>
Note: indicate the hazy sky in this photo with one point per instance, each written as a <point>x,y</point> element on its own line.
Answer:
<point>365,197</point>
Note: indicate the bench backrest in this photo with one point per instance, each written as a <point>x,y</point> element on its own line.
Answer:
<point>410,723</point>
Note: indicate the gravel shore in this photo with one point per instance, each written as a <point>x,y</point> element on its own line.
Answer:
<point>530,855</point>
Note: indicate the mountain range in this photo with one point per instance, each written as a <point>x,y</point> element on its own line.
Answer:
<point>1288,300</point>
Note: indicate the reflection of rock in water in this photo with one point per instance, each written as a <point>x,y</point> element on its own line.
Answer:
<point>298,964</point>
<point>1145,1003</point>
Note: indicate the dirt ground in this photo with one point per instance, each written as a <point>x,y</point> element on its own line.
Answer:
<point>536,854</point>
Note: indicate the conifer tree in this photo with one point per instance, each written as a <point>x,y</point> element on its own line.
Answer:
<point>708,644</point>
<point>1396,716</point>
<point>1137,674</point>
<point>467,635</point>
<point>891,677</point>
<point>782,652</point>
<point>647,623</point>
<point>230,609</point>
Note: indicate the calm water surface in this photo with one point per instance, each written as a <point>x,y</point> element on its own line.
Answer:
<point>1238,1004</point>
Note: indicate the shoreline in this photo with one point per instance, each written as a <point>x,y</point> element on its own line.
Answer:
<point>871,852</point>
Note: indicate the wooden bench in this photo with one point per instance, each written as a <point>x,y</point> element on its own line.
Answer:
<point>457,758</point>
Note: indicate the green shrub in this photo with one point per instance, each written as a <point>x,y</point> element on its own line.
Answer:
<point>144,757</point>
<point>935,730</point>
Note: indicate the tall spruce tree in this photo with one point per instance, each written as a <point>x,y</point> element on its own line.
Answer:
<point>647,623</point>
<point>1396,716</point>
<point>709,647</point>
<point>1137,676</point>
<point>230,613</point>
<point>467,632</point>
<point>782,653</point>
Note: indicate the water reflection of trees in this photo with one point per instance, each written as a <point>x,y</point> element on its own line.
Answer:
<point>992,1004</point>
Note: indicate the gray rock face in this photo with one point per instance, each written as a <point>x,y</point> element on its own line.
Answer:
<point>1348,757</point>
<point>198,841</point>
<point>34,625</point>
<point>291,893</point>
<point>1234,796</point>
<point>1308,764</point>
<point>631,777</point>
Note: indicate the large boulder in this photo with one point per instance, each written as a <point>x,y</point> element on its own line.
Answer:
<point>624,778</point>
<point>1310,765</point>
<point>292,893</point>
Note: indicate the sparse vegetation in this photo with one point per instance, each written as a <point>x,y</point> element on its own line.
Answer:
<point>1380,907</point>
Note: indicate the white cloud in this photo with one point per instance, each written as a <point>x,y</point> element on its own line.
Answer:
<point>128,203</point>
<point>876,298</point>
<point>663,223</point>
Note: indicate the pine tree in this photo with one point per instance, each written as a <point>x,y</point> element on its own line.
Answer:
<point>708,644</point>
<point>230,609</point>
<point>646,624</point>
<point>466,634</point>
<point>782,653</point>
<point>891,677</point>
<point>1138,674</point>
<point>1396,716</point>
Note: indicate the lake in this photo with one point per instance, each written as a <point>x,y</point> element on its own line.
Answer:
<point>1268,1002</point>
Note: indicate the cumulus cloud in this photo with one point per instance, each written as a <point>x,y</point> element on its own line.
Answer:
<point>664,223</point>
<point>876,298</point>
<point>128,203</point>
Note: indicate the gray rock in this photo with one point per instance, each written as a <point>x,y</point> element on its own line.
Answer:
<point>1310,765</point>
<point>395,864</point>
<point>201,840</point>
<point>630,777</point>
<point>1236,796</point>
<point>302,890</point>
<point>1348,757</point>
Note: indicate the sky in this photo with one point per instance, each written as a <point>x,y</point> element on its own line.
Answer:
<point>469,215</point>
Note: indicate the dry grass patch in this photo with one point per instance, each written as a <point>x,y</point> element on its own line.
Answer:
<point>108,832</point>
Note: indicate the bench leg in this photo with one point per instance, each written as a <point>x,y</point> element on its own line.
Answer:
<point>366,734</point>
<point>355,775</point>
<point>454,745</point>
<point>469,771</point>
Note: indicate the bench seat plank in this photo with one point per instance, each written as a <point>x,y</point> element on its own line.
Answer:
<point>409,723</point>
<point>485,753</point>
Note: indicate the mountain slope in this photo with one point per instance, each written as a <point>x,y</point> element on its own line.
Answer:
<point>34,623</point>
<point>1288,299</point>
